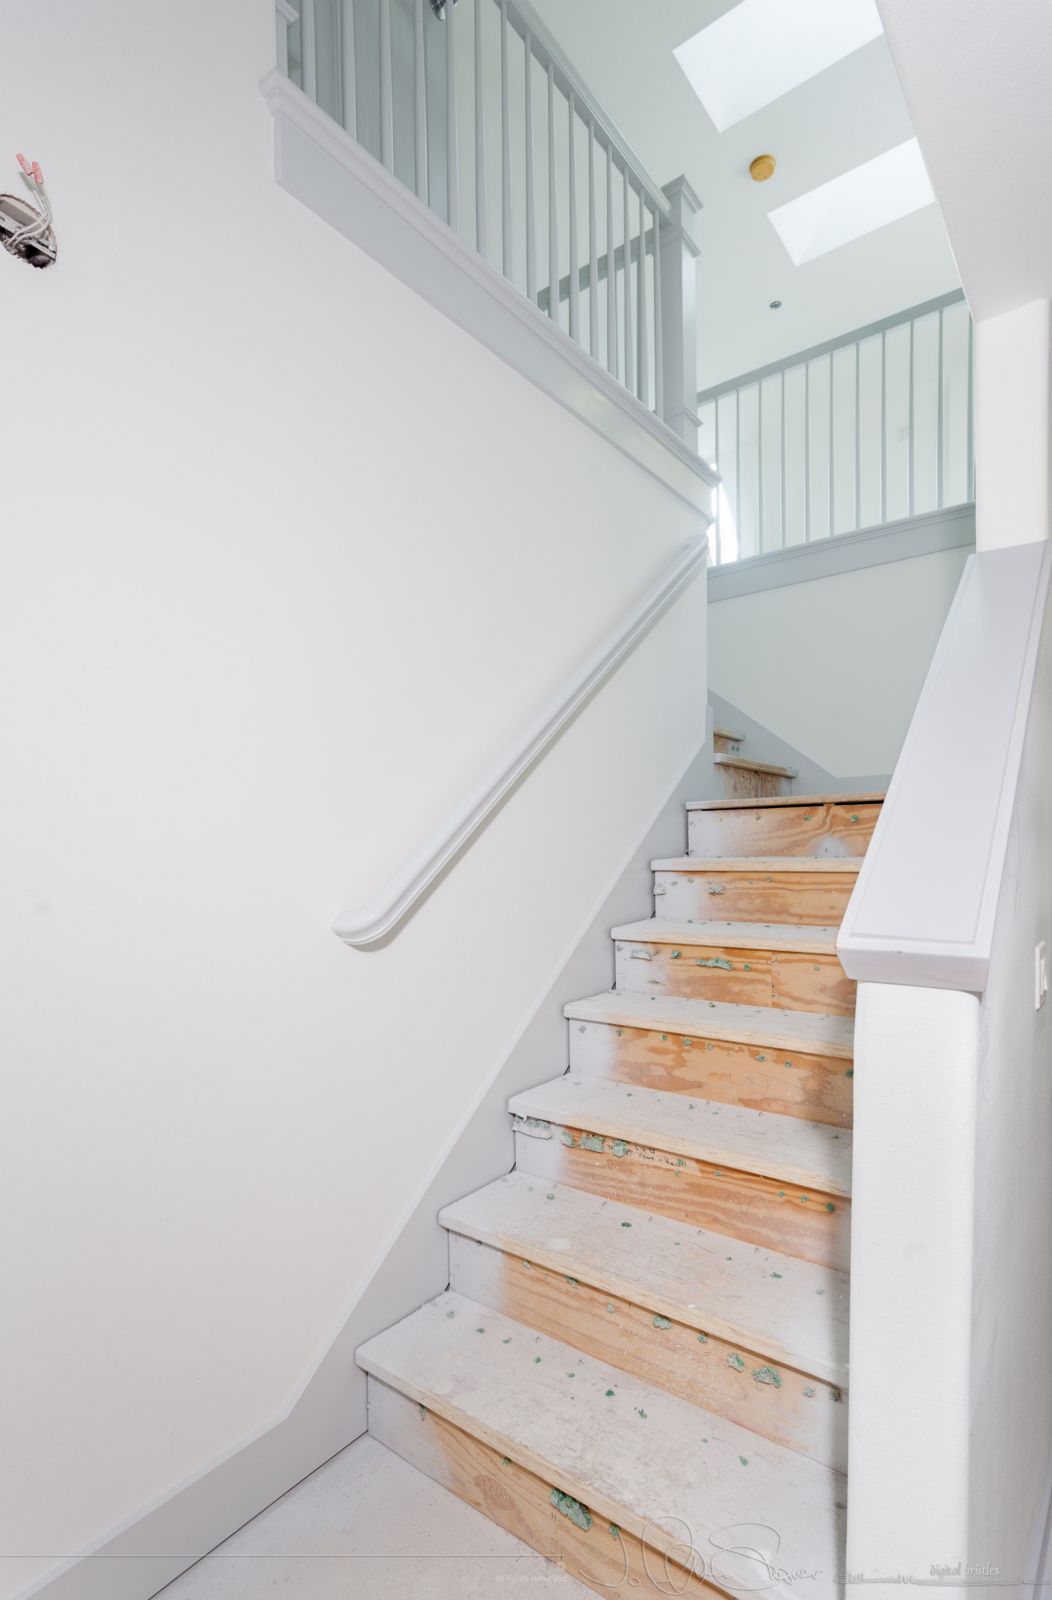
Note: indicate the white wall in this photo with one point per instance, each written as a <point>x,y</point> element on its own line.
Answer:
<point>834,666</point>
<point>288,561</point>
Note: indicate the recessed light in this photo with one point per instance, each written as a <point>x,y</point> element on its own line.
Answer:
<point>761,168</point>
<point>880,191</point>
<point>761,49</point>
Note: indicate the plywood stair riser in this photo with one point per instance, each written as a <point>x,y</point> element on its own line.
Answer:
<point>817,829</point>
<point>598,1553</point>
<point>796,1409</point>
<point>770,1212</point>
<point>766,1078</point>
<point>726,742</point>
<point>763,895</point>
<point>699,970</point>
<point>739,779</point>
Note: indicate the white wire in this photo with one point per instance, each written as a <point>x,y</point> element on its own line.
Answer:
<point>40,226</point>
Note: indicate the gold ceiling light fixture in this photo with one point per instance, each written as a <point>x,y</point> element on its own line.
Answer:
<point>761,168</point>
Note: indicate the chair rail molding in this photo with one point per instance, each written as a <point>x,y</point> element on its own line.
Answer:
<point>321,165</point>
<point>924,907</point>
<point>371,922</point>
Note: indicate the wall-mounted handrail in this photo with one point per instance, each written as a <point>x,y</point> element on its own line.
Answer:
<point>369,923</point>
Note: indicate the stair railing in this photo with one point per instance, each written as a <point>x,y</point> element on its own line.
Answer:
<point>473,105</point>
<point>870,428</point>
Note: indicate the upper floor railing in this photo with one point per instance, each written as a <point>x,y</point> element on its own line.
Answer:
<point>474,107</point>
<point>865,430</point>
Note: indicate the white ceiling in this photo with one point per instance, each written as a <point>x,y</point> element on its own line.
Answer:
<point>848,114</point>
<point>977,73</point>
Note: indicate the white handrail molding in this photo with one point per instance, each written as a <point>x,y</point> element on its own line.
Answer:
<point>367,924</point>
<point>923,909</point>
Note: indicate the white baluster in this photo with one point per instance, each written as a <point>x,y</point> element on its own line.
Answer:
<point>630,375</point>
<point>858,435</point>
<point>507,240</point>
<point>593,259</point>
<point>643,365</point>
<point>531,198</point>
<point>659,329</point>
<point>419,98</point>
<point>452,184</point>
<point>553,204</point>
<point>481,219</point>
<point>386,88</point>
<point>940,465</point>
<point>611,268</point>
<point>348,79</point>
<point>575,283</point>
<point>912,480</point>
<point>309,49</point>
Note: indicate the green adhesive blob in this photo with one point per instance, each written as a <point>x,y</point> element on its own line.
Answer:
<point>619,1147</point>
<point>761,1058</point>
<point>592,1141</point>
<point>610,1394</point>
<point>744,1460</point>
<point>572,1282</point>
<point>850,1073</point>
<point>642,1413</point>
<point>716,961</point>
<point>614,1531</point>
<point>578,1514</point>
<point>664,1038</point>
<point>736,1362</point>
<point>703,1338</point>
<point>675,955</point>
<point>626,1224</point>
<point>662,1322</point>
<point>830,1206</point>
<point>567,1138</point>
<point>450,1314</point>
<point>610,1305</point>
<point>746,967</point>
<point>537,1361</point>
<point>769,1376</point>
<point>505,1461</point>
<point>619,1032</point>
<point>506,1341</point>
<point>422,1410</point>
<point>788,1063</point>
<point>480,1330</point>
<point>809,1393</point>
<point>549,1197</point>
<point>776,1274</point>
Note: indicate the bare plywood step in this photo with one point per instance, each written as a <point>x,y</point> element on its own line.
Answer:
<point>631,1456</point>
<point>867,798</point>
<point>726,742</point>
<point>749,764</point>
<point>792,966</point>
<point>790,1310</point>
<point>786,825</point>
<point>794,889</point>
<point>798,1063</point>
<point>810,1155</point>
<point>712,1166</point>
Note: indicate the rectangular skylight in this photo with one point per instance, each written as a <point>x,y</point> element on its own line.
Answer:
<point>761,49</point>
<point>858,202</point>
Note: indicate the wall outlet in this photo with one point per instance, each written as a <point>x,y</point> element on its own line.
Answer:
<point>1040,974</point>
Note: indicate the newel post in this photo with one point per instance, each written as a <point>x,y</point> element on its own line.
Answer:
<point>679,341</point>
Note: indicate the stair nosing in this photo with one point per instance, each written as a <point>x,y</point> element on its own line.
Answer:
<point>828,866</point>
<point>724,758</point>
<point>760,801</point>
<point>717,1019</point>
<point>753,1151</point>
<point>819,939</point>
<point>461,1217</point>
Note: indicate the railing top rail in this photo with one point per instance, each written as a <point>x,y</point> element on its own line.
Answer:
<point>923,910</point>
<point>830,346</point>
<point>368,924</point>
<point>524,19</point>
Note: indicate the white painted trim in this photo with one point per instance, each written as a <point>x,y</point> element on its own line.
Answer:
<point>1039,1560</point>
<point>321,165</point>
<point>846,552</point>
<point>923,909</point>
<point>364,925</point>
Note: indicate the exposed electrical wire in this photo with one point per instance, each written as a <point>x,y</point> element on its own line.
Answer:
<point>38,229</point>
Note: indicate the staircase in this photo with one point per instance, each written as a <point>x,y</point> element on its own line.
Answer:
<point>741,778</point>
<point>640,1366</point>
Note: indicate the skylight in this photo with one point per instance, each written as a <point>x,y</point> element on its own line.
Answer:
<point>858,202</point>
<point>761,49</point>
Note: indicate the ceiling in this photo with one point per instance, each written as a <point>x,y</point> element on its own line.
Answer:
<point>978,75</point>
<point>846,115</point>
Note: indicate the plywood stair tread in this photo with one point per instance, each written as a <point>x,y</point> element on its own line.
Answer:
<point>749,764</point>
<point>636,1457</point>
<point>789,936</point>
<point>873,798</point>
<point>777,1306</point>
<point>809,1154</point>
<point>809,1032</point>
<point>725,733</point>
<point>758,864</point>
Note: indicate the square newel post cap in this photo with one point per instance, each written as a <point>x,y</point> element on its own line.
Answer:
<point>685,206</point>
